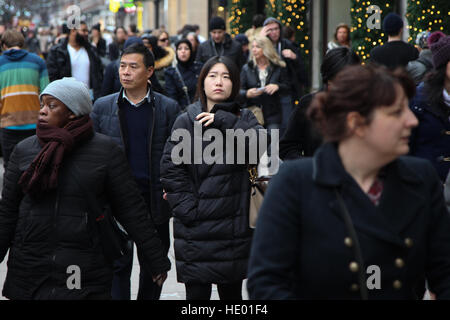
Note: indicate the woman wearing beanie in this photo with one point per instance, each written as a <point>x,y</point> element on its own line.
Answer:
<point>181,80</point>
<point>431,105</point>
<point>54,184</point>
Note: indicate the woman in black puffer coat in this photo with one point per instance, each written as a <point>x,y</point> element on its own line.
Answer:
<point>210,202</point>
<point>46,220</point>
<point>181,80</point>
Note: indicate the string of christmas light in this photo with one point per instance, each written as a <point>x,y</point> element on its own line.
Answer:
<point>240,15</point>
<point>363,37</point>
<point>427,15</point>
<point>293,13</point>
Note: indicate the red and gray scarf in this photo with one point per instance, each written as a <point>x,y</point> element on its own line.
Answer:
<point>42,174</point>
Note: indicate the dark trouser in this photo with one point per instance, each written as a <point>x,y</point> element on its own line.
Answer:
<point>148,290</point>
<point>202,291</point>
<point>287,105</point>
<point>10,138</point>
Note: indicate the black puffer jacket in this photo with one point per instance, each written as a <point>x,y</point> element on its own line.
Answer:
<point>270,104</point>
<point>209,205</point>
<point>58,65</point>
<point>231,49</point>
<point>47,235</point>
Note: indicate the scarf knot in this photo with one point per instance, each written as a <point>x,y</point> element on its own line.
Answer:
<point>42,174</point>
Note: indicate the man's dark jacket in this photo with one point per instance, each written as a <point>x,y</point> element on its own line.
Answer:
<point>47,235</point>
<point>231,49</point>
<point>108,119</point>
<point>58,65</point>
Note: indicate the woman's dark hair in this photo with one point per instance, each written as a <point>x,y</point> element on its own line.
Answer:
<point>234,77</point>
<point>158,52</point>
<point>434,85</point>
<point>149,60</point>
<point>335,60</point>
<point>356,88</point>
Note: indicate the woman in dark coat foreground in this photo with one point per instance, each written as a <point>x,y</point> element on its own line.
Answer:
<point>46,219</point>
<point>358,220</point>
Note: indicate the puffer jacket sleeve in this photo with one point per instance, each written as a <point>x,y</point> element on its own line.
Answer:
<point>9,205</point>
<point>176,179</point>
<point>129,209</point>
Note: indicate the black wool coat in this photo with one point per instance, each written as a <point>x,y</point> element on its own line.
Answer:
<point>49,234</point>
<point>209,204</point>
<point>300,248</point>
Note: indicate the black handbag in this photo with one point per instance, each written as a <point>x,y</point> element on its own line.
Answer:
<point>113,238</point>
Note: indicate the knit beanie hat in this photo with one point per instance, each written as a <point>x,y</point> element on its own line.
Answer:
<point>132,40</point>
<point>217,23</point>
<point>241,38</point>
<point>271,20</point>
<point>73,93</point>
<point>440,48</point>
<point>392,23</point>
<point>422,39</point>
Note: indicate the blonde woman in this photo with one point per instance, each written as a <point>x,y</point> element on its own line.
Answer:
<point>263,79</point>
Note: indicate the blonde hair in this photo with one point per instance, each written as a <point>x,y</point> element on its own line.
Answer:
<point>268,51</point>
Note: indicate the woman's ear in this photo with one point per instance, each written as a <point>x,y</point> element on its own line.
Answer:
<point>355,123</point>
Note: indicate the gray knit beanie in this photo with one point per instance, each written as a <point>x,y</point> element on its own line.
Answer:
<point>271,20</point>
<point>73,93</point>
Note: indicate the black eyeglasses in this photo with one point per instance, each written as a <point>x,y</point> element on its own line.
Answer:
<point>164,39</point>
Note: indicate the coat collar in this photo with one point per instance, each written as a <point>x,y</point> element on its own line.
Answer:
<point>150,96</point>
<point>401,208</point>
<point>328,169</point>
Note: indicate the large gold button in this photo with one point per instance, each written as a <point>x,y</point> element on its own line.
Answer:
<point>399,263</point>
<point>397,284</point>
<point>354,287</point>
<point>348,241</point>
<point>409,242</point>
<point>354,267</point>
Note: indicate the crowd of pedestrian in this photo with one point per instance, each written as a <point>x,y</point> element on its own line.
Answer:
<point>105,137</point>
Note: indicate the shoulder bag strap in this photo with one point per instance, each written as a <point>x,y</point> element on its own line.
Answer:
<point>185,88</point>
<point>356,247</point>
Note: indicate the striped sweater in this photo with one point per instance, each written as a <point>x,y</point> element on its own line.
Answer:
<point>23,75</point>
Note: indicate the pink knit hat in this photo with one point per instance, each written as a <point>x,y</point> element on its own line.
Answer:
<point>440,48</point>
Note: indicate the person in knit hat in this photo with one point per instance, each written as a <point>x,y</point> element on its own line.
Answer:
<point>60,187</point>
<point>395,53</point>
<point>418,68</point>
<point>431,139</point>
<point>220,44</point>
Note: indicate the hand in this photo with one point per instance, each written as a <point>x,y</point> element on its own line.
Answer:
<point>160,278</point>
<point>254,92</point>
<point>288,53</point>
<point>205,117</point>
<point>264,31</point>
<point>270,89</point>
<point>164,195</point>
